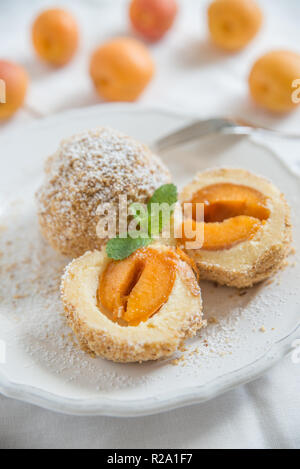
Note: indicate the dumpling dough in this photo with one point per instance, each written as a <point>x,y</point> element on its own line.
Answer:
<point>256,258</point>
<point>157,337</point>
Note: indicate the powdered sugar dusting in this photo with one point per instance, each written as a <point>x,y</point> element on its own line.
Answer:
<point>30,273</point>
<point>31,312</point>
<point>89,169</point>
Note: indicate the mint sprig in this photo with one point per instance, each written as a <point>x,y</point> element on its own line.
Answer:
<point>166,194</point>
<point>120,248</point>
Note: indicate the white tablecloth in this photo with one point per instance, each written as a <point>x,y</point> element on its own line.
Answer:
<point>192,75</point>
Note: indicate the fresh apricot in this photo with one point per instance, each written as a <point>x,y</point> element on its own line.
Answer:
<point>55,36</point>
<point>13,87</point>
<point>136,288</point>
<point>233,23</point>
<point>121,69</point>
<point>152,18</point>
<point>271,80</point>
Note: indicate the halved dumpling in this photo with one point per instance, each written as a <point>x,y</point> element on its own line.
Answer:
<point>246,228</point>
<point>137,309</point>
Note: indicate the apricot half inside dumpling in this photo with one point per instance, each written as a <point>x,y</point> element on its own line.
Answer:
<point>137,309</point>
<point>246,229</point>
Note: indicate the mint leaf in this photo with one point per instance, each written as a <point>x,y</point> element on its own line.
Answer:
<point>140,213</point>
<point>164,198</point>
<point>166,194</point>
<point>120,248</point>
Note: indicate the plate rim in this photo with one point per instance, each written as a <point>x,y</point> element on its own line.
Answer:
<point>157,404</point>
<point>153,405</point>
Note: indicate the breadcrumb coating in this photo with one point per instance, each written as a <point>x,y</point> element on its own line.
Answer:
<point>92,168</point>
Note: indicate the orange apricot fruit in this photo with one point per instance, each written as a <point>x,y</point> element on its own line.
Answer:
<point>222,235</point>
<point>271,80</point>
<point>152,18</point>
<point>13,87</point>
<point>233,23</point>
<point>232,214</point>
<point>227,200</point>
<point>55,36</point>
<point>121,69</point>
<point>135,288</point>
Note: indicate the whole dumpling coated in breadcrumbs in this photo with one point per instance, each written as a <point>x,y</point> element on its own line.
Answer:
<point>92,168</point>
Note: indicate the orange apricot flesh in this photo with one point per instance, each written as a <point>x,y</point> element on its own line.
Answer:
<point>232,214</point>
<point>137,287</point>
<point>222,235</point>
<point>227,200</point>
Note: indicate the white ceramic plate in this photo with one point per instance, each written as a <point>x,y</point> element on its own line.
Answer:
<point>247,333</point>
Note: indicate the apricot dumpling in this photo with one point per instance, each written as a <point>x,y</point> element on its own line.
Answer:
<point>136,309</point>
<point>88,171</point>
<point>245,229</point>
